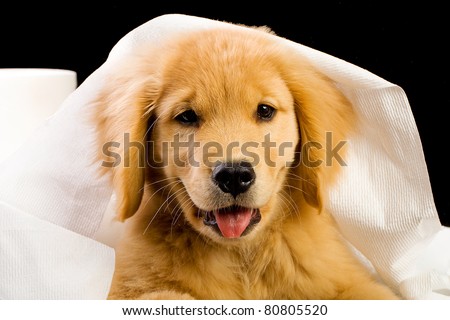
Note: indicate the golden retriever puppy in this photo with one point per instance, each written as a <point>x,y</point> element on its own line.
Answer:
<point>216,147</point>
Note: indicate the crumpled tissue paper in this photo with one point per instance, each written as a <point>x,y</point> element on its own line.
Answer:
<point>53,204</point>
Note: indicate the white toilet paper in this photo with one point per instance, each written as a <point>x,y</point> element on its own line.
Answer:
<point>383,203</point>
<point>28,97</point>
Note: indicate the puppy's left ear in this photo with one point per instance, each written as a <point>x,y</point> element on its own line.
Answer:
<point>325,116</point>
<point>122,114</point>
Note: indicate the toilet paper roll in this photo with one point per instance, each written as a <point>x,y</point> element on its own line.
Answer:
<point>27,98</point>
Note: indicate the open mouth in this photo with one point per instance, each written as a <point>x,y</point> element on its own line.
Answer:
<point>232,222</point>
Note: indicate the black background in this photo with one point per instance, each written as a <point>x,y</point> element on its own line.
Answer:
<point>405,44</point>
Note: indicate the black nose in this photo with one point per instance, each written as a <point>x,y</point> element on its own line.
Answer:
<point>234,177</point>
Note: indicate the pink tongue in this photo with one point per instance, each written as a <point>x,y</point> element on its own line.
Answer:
<point>233,223</point>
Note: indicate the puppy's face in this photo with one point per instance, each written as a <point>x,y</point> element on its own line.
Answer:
<point>230,119</point>
<point>225,112</point>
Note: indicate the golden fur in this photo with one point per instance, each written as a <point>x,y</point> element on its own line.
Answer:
<point>296,250</point>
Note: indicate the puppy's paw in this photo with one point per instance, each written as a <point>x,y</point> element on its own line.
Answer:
<point>166,295</point>
<point>369,291</point>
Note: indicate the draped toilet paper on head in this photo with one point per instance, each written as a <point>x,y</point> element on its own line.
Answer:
<point>382,202</point>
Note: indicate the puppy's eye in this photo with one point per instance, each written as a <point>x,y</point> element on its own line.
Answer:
<point>187,117</point>
<point>265,112</point>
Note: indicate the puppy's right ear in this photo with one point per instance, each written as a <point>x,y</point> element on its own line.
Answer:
<point>121,115</point>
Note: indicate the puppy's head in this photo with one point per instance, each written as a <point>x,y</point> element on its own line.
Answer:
<point>220,118</point>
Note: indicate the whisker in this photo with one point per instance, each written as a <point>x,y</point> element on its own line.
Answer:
<point>173,196</point>
<point>148,199</point>
<point>294,176</point>
<point>288,201</point>
<point>179,211</point>
<point>161,180</point>
<point>161,206</point>
<point>147,185</point>
<point>163,187</point>
<point>179,193</point>
<point>299,189</point>
<point>148,225</point>
<point>153,124</point>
